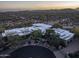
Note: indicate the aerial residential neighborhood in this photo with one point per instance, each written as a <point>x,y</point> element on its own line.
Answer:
<point>39,29</point>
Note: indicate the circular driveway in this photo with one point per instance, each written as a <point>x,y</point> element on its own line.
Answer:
<point>32,52</point>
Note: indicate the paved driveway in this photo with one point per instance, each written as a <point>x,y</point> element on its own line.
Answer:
<point>72,47</point>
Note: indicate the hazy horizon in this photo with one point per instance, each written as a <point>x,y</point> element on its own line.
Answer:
<point>36,5</point>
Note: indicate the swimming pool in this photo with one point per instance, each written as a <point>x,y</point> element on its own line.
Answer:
<point>32,52</point>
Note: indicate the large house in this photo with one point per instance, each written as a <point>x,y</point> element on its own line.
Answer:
<point>63,34</point>
<point>26,30</point>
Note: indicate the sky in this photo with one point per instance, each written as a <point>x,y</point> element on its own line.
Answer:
<point>37,5</point>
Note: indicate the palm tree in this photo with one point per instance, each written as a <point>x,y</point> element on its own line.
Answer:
<point>36,35</point>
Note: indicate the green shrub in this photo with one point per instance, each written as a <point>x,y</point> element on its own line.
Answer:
<point>76,31</point>
<point>58,25</point>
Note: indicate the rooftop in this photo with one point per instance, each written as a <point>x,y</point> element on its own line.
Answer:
<point>63,34</point>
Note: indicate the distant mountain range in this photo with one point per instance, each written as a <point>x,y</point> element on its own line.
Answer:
<point>7,10</point>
